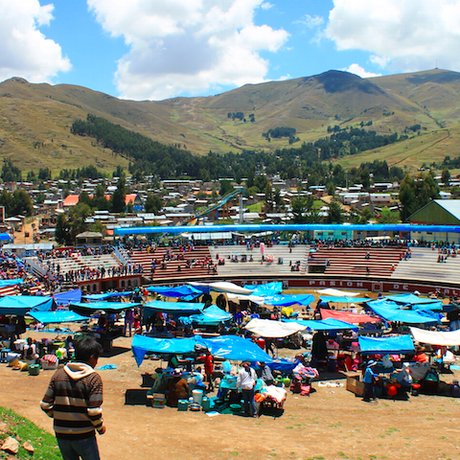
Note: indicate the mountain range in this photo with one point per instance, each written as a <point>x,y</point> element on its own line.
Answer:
<point>35,119</point>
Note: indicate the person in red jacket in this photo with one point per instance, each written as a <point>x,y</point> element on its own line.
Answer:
<point>209,369</point>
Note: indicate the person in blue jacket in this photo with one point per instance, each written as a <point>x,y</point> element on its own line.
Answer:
<point>369,378</point>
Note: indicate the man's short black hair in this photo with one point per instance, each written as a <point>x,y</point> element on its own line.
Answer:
<point>87,347</point>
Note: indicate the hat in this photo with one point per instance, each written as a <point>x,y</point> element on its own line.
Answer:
<point>371,363</point>
<point>176,372</point>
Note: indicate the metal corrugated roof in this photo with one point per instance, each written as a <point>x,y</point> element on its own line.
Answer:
<point>451,206</point>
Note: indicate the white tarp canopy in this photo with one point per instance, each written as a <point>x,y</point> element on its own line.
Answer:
<point>273,329</point>
<point>223,286</point>
<point>445,339</point>
<point>337,293</point>
<point>235,298</point>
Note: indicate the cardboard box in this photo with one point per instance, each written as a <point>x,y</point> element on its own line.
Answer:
<point>159,401</point>
<point>355,385</point>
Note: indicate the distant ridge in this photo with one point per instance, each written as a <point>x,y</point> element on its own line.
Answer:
<point>36,118</point>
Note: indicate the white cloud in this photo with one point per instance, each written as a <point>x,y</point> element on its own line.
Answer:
<point>310,21</point>
<point>404,35</point>
<point>266,6</point>
<point>25,51</point>
<point>187,46</point>
<point>358,70</point>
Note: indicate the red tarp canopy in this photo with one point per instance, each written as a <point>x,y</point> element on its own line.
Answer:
<point>353,318</point>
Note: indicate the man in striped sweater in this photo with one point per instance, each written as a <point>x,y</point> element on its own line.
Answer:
<point>73,399</point>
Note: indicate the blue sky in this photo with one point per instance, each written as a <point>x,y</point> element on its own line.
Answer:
<point>157,49</point>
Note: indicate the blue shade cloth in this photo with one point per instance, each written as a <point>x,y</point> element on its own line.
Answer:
<point>107,295</point>
<point>88,309</point>
<point>286,228</point>
<point>55,317</point>
<point>141,345</point>
<point>181,291</point>
<point>172,308</point>
<point>329,324</point>
<point>63,298</point>
<point>236,348</point>
<point>211,316</point>
<point>20,305</point>
<point>13,282</point>
<point>410,299</point>
<point>382,303</point>
<point>343,299</point>
<point>276,287</point>
<point>230,347</point>
<point>5,237</point>
<point>405,316</point>
<point>287,300</point>
<point>384,345</point>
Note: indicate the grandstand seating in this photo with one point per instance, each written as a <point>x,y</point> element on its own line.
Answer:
<point>353,261</point>
<point>255,268</point>
<point>199,254</point>
<point>423,265</point>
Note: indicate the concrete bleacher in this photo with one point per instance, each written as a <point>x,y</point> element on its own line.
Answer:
<point>199,254</point>
<point>77,262</point>
<point>423,265</point>
<point>353,261</point>
<point>256,268</point>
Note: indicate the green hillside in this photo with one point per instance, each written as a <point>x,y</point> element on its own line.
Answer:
<point>36,118</point>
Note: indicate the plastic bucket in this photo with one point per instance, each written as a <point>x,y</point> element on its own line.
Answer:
<point>182,405</point>
<point>34,369</point>
<point>206,404</point>
<point>197,396</point>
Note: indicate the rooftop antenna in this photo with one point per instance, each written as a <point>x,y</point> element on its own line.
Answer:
<point>436,64</point>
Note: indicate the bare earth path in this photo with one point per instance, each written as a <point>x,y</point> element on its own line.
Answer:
<point>330,424</point>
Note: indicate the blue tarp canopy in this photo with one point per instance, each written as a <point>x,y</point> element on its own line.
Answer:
<point>55,317</point>
<point>172,308</point>
<point>63,298</point>
<point>20,305</point>
<point>417,303</point>
<point>87,309</point>
<point>107,295</point>
<point>404,316</point>
<point>287,228</point>
<point>269,289</point>
<point>383,345</point>
<point>181,291</point>
<point>280,300</point>
<point>13,282</point>
<point>328,324</point>
<point>236,348</point>
<point>211,316</point>
<point>141,345</point>
<point>5,237</point>
<point>230,347</point>
<point>410,299</point>
<point>343,299</point>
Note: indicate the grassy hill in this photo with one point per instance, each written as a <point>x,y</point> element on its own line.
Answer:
<point>35,118</point>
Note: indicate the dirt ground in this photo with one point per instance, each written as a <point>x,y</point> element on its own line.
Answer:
<point>329,424</point>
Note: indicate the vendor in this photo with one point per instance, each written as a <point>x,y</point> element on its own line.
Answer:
<point>177,388</point>
<point>265,374</point>
<point>420,356</point>
<point>369,377</point>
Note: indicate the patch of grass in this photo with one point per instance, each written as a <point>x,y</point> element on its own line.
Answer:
<point>342,454</point>
<point>45,444</point>
<point>391,431</point>
<point>234,453</point>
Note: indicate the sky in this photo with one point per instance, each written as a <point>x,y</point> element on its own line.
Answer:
<point>159,49</point>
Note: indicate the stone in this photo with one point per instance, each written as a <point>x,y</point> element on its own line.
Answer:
<point>4,428</point>
<point>10,445</point>
<point>29,447</point>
